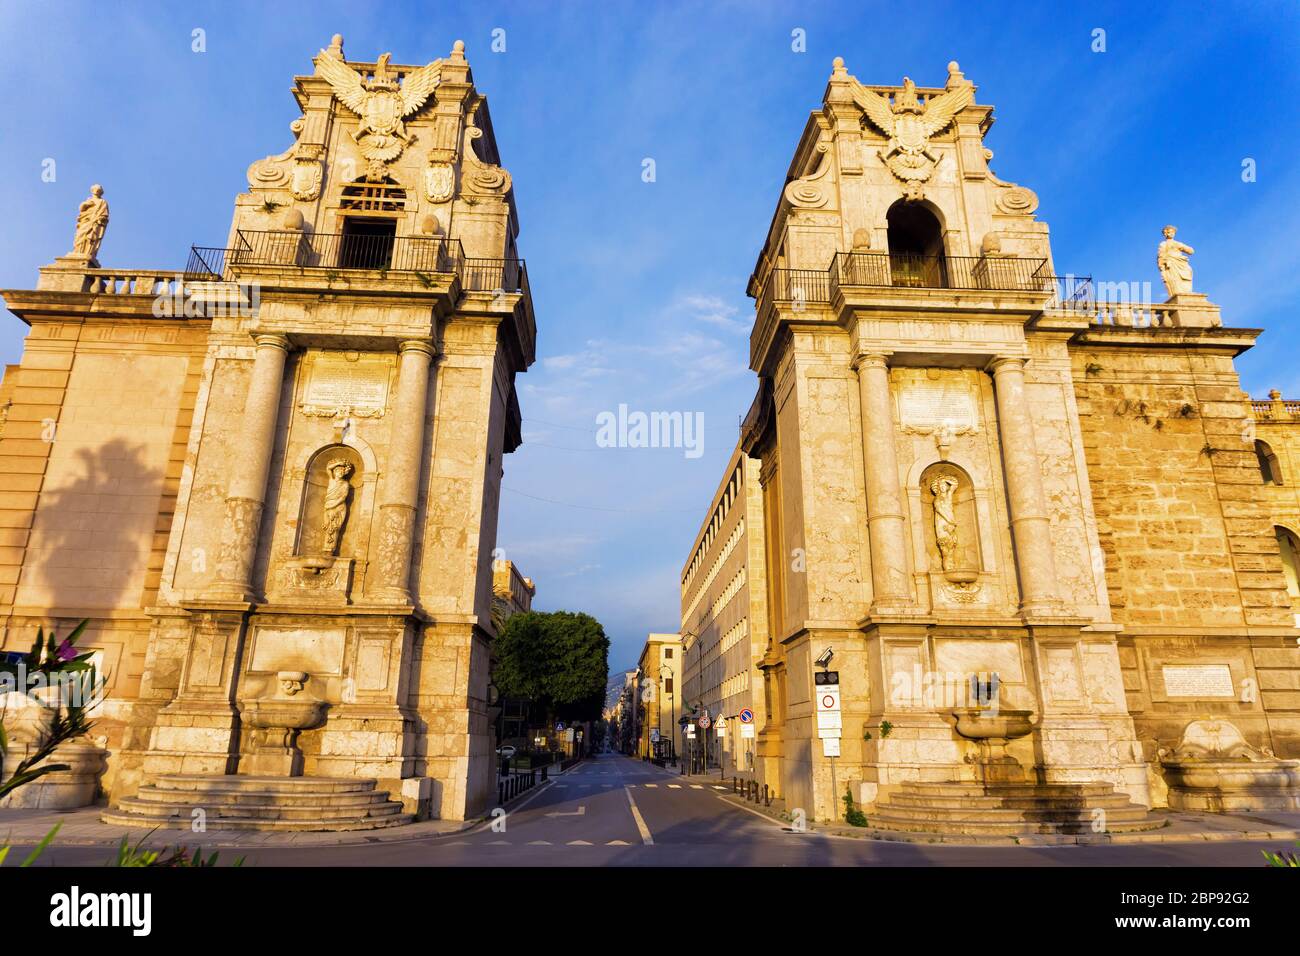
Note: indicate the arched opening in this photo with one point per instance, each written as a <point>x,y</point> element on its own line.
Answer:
<point>1270,469</point>
<point>915,246</point>
<point>1289,546</point>
<point>327,525</point>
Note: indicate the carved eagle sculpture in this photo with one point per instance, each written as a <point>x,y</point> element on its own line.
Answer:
<point>909,126</point>
<point>380,102</point>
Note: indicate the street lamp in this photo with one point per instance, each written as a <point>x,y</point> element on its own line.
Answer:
<point>672,713</point>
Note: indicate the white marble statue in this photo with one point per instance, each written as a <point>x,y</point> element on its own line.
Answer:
<point>945,520</point>
<point>92,222</point>
<point>337,494</point>
<point>1171,258</point>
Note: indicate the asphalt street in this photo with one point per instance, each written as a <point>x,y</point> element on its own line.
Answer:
<point>618,811</point>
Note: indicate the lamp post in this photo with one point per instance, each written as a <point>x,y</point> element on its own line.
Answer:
<point>672,713</point>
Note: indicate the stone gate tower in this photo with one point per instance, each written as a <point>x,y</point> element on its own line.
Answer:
<point>936,410</point>
<point>340,373</point>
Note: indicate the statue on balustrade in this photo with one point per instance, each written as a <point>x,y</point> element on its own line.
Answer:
<point>1175,270</point>
<point>92,222</point>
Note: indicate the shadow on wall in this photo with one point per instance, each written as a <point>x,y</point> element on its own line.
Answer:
<point>93,532</point>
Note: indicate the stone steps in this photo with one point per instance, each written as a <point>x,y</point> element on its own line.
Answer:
<point>1009,809</point>
<point>259,803</point>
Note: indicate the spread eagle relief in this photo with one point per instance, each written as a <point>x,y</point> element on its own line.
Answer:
<point>909,124</point>
<point>380,102</point>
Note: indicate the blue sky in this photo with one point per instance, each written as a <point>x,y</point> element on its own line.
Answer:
<point>639,287</point>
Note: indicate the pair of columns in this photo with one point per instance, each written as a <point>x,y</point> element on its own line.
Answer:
<point>886,516</point>
<point>246,497</point>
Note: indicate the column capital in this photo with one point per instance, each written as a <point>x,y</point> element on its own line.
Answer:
<point>271,340</point>
<point>872,359</point>
<point>1000,362</point>
<point>417,345</point>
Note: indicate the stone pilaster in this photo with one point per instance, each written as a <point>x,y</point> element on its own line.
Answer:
<point>1030,527</point>
<point>886,521</point>
<point>246,495</point>
<point>402,477</point>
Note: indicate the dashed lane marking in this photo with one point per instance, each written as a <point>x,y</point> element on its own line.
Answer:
<point>577,843</point>
<point>618,843</point>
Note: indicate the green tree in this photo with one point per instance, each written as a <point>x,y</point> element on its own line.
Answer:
<point>558,660</point>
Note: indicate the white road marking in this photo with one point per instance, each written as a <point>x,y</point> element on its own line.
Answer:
<point>527,800</point>
<point>696,786</point>
<point>674,786</point>
<point>761,816</point>
<point>540,843</point>
<point>618,843</point>
<point>644,830</point>
<point>499,843</point>
<point>581,811</point>
<point>577,843</point>
<point>651,785</point>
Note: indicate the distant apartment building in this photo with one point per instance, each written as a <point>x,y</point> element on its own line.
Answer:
<point>724,618</point>
<point>510,587</point>
<point>658,694</point>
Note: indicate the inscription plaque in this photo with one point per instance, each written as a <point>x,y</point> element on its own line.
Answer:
<point>1198,680</point>
<point>337,382</point>
<point>930,404</point>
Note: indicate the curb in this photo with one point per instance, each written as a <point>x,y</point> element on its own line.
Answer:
<point>1157,835</point>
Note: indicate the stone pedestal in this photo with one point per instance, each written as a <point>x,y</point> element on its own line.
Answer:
<point>1193,310</point>
<point>66,274</point>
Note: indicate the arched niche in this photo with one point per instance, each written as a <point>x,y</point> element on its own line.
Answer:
<point>1270,469</point>
<point>1288,544</point>
<point>331,499</point>
<point>950,520</point>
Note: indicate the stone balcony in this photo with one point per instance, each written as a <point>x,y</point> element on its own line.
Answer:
<point>1276,409</point>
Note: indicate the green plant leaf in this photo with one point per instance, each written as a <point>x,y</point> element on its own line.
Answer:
<point>40,847</point>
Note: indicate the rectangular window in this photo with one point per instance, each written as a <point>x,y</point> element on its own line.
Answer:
<point>668,685</point>
<point>668,653</point>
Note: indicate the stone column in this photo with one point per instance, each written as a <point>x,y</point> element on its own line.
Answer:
<point>402,476</point>
<point>886,520</point>
<point>245,498</point>
<point>1030,527</point>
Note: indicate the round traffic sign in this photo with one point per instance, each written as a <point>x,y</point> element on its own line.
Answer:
<point>828,701</point>
<point>746,716</point>
<point>704,720</point>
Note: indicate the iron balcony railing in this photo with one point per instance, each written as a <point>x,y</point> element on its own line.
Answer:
<point>907,271</point>
<point>494,275</point>
<point>329,251</point>
<point>408,254</point>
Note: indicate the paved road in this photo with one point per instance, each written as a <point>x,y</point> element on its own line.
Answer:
<point>617,811</point>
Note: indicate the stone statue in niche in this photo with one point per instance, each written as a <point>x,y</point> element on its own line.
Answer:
<point>945,520</point>
<point>1171,258</point>
<point>92,223</point>
<point>337,494</point>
